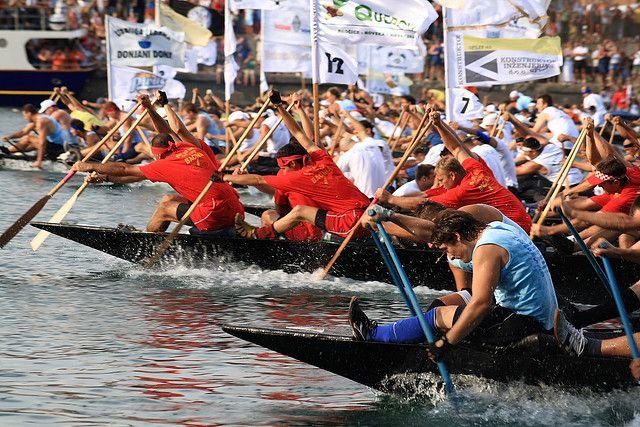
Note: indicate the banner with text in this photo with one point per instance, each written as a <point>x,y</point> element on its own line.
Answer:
<point>127,82</point>
<point>390,59</point>
<point>144,45</point>
<point>289,24</point>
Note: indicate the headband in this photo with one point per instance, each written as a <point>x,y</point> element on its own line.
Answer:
<point>162,151</point>
<point>604,177</point>
<point>284,161</point>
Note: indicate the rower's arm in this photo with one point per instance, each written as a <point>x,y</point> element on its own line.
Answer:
<point>177,126</point>
<point>598,148</point>
<point>487,263</point>
<point>450,139</point>
<point>295,130</point>
<point>25,131</point>
<point>111,169</point>
<point>246,179</point>
<point>610,221</point>
<point>307,126</point>
<point>406,226</point>
<point>41,129</point>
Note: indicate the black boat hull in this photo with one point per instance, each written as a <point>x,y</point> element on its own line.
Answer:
<point>392,367</point>
<point>572,275</point>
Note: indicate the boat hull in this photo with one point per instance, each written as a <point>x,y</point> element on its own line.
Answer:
<point>572,275</point>
<point>19,87</point>
<point>392,367</point>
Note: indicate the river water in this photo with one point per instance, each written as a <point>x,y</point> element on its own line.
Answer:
<point>86,339</point>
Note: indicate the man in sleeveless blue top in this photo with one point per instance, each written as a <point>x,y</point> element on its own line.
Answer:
<point>512,292</point>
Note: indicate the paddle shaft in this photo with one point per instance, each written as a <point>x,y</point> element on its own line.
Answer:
<point>587,252</point>
<point>414,304</point>
<point>416,140</point>
<point>403,125</point>
<point>262,142</point>
<point>564,173</point>
<point>395,127</point>
<point>622,311</point>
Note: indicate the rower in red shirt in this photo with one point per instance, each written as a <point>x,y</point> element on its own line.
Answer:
<point>338,203</point>
<point>467,180</point>
<point>187,166</point>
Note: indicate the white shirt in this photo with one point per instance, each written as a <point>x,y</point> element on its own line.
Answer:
<point>580,53</point>
<point>507,161</point>
<point>409,188</point>
<point>492,159</point>
<point>387,157</point>
<point>363,164</point>
<point>250,141</point>
<point>559,122</point>
<point>551,159</point>
<point>279,138</point>
<point>433,156</point>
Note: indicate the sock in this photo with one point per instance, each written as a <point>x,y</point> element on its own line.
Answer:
<point>403,331</point>
<point>266,232</point>
<point>607,310</point>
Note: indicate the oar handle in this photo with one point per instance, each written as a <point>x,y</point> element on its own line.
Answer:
<point>244,135</point>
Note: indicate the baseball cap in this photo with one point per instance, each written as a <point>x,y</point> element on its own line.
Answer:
<point>46,104</point>
<point>515,94</point>
<point>268,113</point>
<point>490,108</point>
<point>530,144</point>
<point>597,178</point>
<point>585,90</point>
<point>237,115</point>
<point>489,120</point>
<point>77,125</point>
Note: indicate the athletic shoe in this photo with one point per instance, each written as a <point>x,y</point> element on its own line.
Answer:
<point>5,150</point>
<point>361,325</point>
<point>243,228</point>
<point>126,228</point>
<point>569,338</point>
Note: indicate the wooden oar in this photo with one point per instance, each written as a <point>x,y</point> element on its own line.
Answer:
<point>256,149</point>
<point>604,125</point>
<point>64,210</point>
<point>15,228</point>
<point>420,132</point>
<point>613,133</point>
<point>395,127</point>
<point>166,243</point>
<point>414,306</point>
<point>403,125</point>
<point>336,137</point>
<point>564,173</point>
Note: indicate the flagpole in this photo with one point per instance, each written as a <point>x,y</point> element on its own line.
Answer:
<point>445,41</point>
<point>108,43</point>
<point>314,71</point>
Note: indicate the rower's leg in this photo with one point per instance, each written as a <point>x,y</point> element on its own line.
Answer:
<point>165,213</point>
<point>26,143</point>
<point>294,217</point>
<point>608,309</point>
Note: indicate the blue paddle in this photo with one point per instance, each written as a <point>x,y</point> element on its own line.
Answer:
<point>587,252</point>
<point>615,293</point>
<point>407,289</point>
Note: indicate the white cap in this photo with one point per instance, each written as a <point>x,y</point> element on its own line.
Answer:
<point>490,108</point>
<point>357,115</point>
<point>515,94</point>
<point>489,120</point>
<point>268,113</point>
<point>237,115</point>
<point>46,104</point>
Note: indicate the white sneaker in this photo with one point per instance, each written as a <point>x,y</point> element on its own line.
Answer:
<point>569,338</point>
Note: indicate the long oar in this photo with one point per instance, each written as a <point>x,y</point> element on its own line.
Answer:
<point>557,185</point>
<point>256,149</point>
<point>166,243</point>
<point>15,228</point>
<point>403,125</point>
<point>583,246</point>
<point>622,311</point>
<point>420,132</point>
<point>64,210</point>
<point>395,127</point>
<point>414,305</point>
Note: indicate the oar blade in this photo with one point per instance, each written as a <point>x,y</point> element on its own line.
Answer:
<point>162,248</point>
<point>15,228</point>
<point>55,219</point>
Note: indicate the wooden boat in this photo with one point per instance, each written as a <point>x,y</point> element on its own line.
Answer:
<point>572,275</point>
<point>400,368</point>
<point>24,162</point>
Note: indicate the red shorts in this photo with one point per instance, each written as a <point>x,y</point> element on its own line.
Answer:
<point>304,231</point>
<point>221,216</point>
<point>341,224</point>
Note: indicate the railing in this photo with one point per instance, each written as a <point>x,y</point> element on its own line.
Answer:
<point>26,18</point>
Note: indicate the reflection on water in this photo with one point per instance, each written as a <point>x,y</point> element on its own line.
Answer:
<point>86,339</point>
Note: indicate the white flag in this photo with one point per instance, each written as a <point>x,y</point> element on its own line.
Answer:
<point>464,105</point>
<point>230,66</point>
<point>335,65</point>
<point>127,82</point>
<point>379,22</point>
<point>388,84</point>
<point>283,58</point>
<point>390,59</point>
<point>144,45</point>
<point>289,24</point>
<point>264,85</point>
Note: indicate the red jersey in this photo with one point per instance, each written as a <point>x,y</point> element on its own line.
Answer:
<point>322,182</point>
<point>621,202</point>
<point>304,230</point>
<point>188,170</point>
<point>479,186</point>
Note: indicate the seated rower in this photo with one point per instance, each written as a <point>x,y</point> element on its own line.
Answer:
<point>187,166</point>
<point>338,203</point>
<point>512,291</point>
<point>467,180</point>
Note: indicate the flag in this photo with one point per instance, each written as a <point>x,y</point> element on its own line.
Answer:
<point>289,24</point>
<point>281,58</point>
<point>127,82</point>
<point>488,62</point>
<point>144,45</point>
<point>388,84</point>
<point>230,66</point>
<point>390,59</point>
<point>195,33</point>
<point>464,105</point>
<point>256,4</point>
<point>264,85</point>
<point>335,65</point>
<point>379,22</point>
<point>207,18</point>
